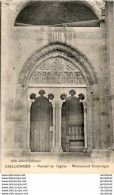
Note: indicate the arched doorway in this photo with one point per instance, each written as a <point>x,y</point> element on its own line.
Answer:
<point>58,66</point>
<point>40,123</point>
<point>72,124</point>
<point>55,75</point>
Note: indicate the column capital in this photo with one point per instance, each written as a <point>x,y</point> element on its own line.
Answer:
<point>29,103</point>
<point>59,102</point>
<point>53,103</point>
<point>85,104</point>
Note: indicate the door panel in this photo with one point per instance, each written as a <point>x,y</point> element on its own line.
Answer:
<point>72,125</point>
<point>41,119</point>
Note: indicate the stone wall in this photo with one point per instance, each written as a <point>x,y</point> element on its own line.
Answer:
<point>110,62</point>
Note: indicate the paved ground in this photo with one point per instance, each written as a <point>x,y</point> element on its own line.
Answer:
<point>64,157</point>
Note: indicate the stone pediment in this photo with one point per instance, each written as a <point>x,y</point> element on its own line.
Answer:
<point>56,71</point>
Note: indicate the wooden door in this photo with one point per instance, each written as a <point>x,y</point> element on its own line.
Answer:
<point>40,122</point>
<point>72,125</point>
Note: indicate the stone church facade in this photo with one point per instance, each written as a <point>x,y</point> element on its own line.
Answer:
<point>58,77</point>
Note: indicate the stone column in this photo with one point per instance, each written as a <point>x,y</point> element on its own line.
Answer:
<point>85,124</point>
<point>28,125</point>
<point>56,147</point>
<point>58,126</point>
<point>53,139</point>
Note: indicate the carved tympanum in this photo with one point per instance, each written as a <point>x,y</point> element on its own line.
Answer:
<point>56,71</point>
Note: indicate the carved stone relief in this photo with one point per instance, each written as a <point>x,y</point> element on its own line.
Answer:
<point>56,71</point>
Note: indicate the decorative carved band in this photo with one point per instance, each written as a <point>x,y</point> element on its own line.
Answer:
<point>57,78</point>
<point>56,71</point>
